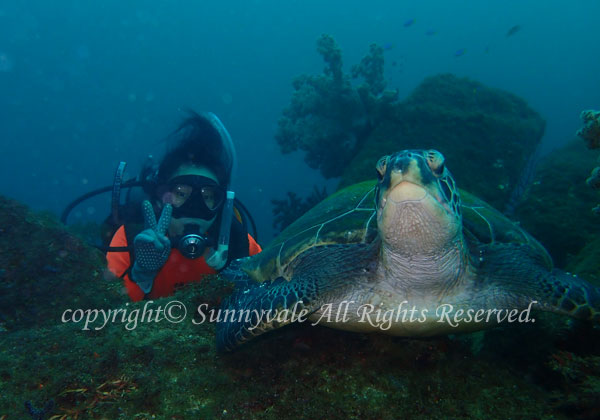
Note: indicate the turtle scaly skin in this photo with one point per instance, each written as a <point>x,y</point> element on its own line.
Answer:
<point>408,248</point>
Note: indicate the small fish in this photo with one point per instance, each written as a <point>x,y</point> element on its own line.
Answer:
<point>430,32</point>
<point>460,52</point>
<point>513,30</point>
<point>409,22</point>
<point>388,46</point>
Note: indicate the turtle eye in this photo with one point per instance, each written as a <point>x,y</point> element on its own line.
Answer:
<point>381,167</point>
<point>435,160</point>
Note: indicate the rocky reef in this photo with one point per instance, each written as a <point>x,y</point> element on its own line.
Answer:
<point>477,128</point>
<point>140,366</point>
<point>43,268</point>
<point>345,127</point>
<point>587,261</point>
<point>590,133</point>
<point>556,209</point>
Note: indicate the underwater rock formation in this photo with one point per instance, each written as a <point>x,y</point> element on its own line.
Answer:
<point>344,128</point>
<point>136,369</point>
<point>590,133</point>
<point>44,270</point>
<point>328,117</point>
<point>487,135</point>
<point>556,210</point>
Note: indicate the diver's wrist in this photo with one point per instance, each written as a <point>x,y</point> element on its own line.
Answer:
<point>143,278</point>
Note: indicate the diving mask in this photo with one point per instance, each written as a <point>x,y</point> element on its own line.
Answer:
<point>194,196</point>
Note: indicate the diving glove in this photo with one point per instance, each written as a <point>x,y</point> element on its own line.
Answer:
<point>151,246</point>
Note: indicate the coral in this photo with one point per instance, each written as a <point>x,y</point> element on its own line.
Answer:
<point>286,211</point>
<point>170,370</point>
<point>370,69</point>
<point>328,117</point>
<point>590,132</point>
<point>594,179</point>
<point>332,54</point>
<point>344,127</point>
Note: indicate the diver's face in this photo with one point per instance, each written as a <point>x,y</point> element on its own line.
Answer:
<point>196,197</point>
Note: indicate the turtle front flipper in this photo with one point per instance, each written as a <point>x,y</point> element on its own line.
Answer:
<point>234,274</point>
<point>318,276</point>
<point>515,277</point>
<point>568,294</point>
<point>251,312</point>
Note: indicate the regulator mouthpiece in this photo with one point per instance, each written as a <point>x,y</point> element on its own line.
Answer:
<point>192,244</point>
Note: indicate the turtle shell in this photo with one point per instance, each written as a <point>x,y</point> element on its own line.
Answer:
<point>483,224</point>
<point>349,217</point>
<point>345,217</point>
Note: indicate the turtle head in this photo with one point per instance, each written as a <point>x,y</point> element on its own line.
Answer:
<point>418,206</point>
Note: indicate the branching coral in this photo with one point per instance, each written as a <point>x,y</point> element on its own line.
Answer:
<point>594,179</point>
<point>328,117</point>
<point>371,69</point>
<point>590,133</point>
<point>345,121</point>
<point>594,182</point>
<point>332,54</point>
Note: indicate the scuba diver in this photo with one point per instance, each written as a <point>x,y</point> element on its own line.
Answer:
<point>191,227</point>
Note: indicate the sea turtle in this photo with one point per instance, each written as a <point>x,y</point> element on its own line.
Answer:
<point>405,256</point>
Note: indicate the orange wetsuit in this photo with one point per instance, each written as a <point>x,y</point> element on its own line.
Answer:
<point>177,271</point>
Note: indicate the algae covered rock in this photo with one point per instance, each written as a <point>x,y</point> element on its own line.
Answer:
<point>140,369</point>
<point>45,270</point>
<point>590,133</point>
<point>587,262</point>
<point>344,126</point>
<point>487,135</point>
<point>557,210</point>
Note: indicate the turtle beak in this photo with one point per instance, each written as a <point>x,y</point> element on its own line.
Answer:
<point>410,218</point>
<point>405,182</point>
<point>406,191</point>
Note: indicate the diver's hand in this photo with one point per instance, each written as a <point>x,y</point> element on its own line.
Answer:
<point>151,246</point>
